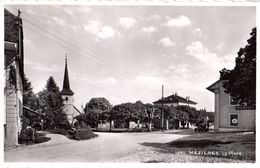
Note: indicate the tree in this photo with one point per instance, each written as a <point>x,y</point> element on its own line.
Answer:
<point>240,82</point>
<point>51,104</point>
<point>105,117</point>
<point>193,113</point>
<point>123,114</point>
<point>183,117</point>
<point>97,110</point>
<point>98,103</point>
<point>81,121</point>
<point>140,113</point>
<point>149,108</point>
<point>29,98</point>
<point>93,119</point>
<point>27,90</point>
<point>31,101</point>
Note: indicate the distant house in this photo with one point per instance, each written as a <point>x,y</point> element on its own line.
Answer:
<point>230,116</point>
<point>175,100</point>
<point>13,66</point>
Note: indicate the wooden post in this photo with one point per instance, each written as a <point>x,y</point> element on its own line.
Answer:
<point>162,123</point>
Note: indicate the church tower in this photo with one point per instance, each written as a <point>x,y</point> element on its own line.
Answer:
<point>67,95</point>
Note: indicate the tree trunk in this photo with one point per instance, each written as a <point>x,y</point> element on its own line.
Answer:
<point>167,124</point>
<point>110,125</point>
<point>149,126</point>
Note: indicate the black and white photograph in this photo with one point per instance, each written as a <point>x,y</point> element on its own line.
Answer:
<point>129,83</point>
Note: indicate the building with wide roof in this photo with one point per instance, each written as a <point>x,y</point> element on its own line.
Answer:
<point>175,100</point>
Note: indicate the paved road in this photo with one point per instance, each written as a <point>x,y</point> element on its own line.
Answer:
<point>107,147</point>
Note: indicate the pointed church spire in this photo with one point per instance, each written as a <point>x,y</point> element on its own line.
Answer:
<point>66,84</point>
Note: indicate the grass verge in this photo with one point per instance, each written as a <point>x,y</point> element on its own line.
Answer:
<point>200,148</point>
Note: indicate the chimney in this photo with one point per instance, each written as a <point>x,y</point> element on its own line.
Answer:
<point>187,98</point>
<point>162,92</point>
<point>175,93</point>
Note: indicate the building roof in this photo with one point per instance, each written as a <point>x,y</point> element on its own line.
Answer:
<point>174,99</point>
<point>66,84</point>
<point>33,111</point>
<point>213,87</point>
<point>77,109</point>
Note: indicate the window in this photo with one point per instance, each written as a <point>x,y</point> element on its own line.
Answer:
<point>233,120</point>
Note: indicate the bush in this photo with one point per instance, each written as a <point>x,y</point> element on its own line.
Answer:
<point>81,125</point>
<point>139,129</point>
<point>26,135</point>
<point>40,138</point>
<point>65,125</point>
<point>25,122</point>
<point>81,134</point>
<point>30,136</point>
<point>59,131</point>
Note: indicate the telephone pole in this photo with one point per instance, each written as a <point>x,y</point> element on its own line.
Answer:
<point>162,113</point>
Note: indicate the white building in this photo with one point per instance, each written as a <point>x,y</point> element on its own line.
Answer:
<point>13,66</point>
<point>228,115</point>
<point>175,100</point>
<point>67,96</point>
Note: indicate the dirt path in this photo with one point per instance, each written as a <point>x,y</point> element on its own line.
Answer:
<point>107,147</point>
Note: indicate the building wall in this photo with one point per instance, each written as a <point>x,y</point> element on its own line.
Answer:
<point>13,108</point>
<point>68,107</point>
<point>13,33</point>
<point>175,104</point>
<point>171,104</point>
<point>186,104</point>
<point>75,112</point>
<point>246,118</point>
<point>217,105</point>
<point>70,111</point>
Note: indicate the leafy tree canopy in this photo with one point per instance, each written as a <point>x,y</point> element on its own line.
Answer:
<point>98,104</point>
<point>240,82</point>
<point>97,110</point>
<point>51,104</point>
<point>29,98</point>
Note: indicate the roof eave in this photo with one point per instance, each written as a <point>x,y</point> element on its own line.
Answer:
<point>210,88</point>
<point>68,93</point>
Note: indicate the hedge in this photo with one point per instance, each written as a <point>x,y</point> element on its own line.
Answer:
<point>81,134</point>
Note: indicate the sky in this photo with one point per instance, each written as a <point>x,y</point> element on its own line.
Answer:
<point>126,53</point>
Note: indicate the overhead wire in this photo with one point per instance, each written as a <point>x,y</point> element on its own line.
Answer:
<point>88,51</point>
<point>54,42</point>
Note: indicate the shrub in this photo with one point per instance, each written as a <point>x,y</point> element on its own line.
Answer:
<point>30,136</point>
<point>81,125</point>
<point>40,138</point>
<point>25,122</point>
<point>65,125</point>
<point>81,134</point>
<point>59,131</point>
<point>26,135</point>
<point>139,129</point>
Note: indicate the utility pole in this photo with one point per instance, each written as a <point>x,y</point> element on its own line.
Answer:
<point>20,34</point>
<point>162,113</point>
